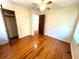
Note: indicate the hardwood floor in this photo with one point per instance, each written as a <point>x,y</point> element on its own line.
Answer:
<point>36,47</point>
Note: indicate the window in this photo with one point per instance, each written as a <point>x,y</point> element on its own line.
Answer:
<point>76,34</point>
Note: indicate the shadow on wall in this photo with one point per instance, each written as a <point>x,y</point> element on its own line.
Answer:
<point>3,34</point>
<point>60,32</point>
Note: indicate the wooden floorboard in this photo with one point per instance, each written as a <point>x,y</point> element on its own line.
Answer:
<point>36,47</point>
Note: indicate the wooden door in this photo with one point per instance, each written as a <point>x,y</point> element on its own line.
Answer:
<point>41,24</point>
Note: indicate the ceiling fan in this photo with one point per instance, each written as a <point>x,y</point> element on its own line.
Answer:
<point>43,5</point>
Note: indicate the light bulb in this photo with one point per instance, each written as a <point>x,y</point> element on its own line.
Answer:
<point>42,8</point>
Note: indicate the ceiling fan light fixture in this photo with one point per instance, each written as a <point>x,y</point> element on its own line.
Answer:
<point>42,8</point>
<point>43,5</point>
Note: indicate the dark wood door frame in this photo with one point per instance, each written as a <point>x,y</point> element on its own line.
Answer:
<point>10,16</point>
<point>2,11</point>
<point>5,25</point>
<point>41,24</point>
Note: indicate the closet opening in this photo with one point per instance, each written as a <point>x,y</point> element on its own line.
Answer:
<point>11,25</point>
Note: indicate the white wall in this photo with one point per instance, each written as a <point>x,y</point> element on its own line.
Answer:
<point>22,17</point>
<point>74,44</point>
<point>74,49</point>
<point>59,23</point>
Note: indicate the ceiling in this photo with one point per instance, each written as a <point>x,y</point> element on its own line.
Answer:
<point>60,3</point>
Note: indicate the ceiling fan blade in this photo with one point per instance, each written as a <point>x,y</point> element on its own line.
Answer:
<point>34,3</point>
<point>48,8</point>
<point>50,2</point>
<point>42,0</point>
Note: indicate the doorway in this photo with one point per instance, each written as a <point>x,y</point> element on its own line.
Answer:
<point>35,24</point>
<point>10,21</point>
<point>41,24</point>
<point>38,24</point>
